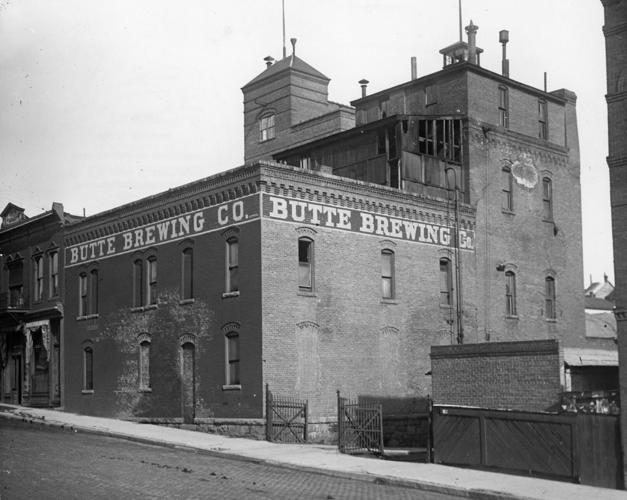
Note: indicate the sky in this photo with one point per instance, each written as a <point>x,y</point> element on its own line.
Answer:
<point>105,102</point>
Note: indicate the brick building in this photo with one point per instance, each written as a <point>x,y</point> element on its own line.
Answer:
<point>338,255</point>
<point>615,30</point>
<point>31,305</point>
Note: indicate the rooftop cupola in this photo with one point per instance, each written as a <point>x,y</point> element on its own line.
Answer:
<point>463,51</point>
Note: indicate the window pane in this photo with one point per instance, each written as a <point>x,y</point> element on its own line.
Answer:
<point>304,247</point>
<point>445,281</point>
<point>304,275</point>
<point>144,365</point>
<point>234,279</point>
<point>233,253</point>
<point>187,275</point>
<point>137,283</point>
<point>305,264</point>
<point>93,298</point>
<point>89,369</point>
<point>386,284</point>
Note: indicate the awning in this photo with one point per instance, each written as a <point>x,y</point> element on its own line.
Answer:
<point>590,357</point>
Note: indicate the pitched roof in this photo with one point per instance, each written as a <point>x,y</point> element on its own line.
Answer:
<point>598,303</point>
<point>288,63</point>
<point>601,325</point>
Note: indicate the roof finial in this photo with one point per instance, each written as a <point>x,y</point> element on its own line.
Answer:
<point>293,42</point>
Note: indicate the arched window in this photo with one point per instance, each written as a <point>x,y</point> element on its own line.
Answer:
<point>232,265</point>
<point>232,359</point>
<point>305,264</point>
<point>82,294</point>
<point>88,368</point>
<point>151,280</point>
<point>547,199</point>
<point>503,106</point>
<point>510,293</point>
<point>39,278</point>
<point>187,275</point>
<point>93,291</point>
<point>53,272</point>
<point>387,274</point>
<point>446,282</point>
<point>138,283</point>
<point>549,298</point>
<point>144,362</point>
<point>267,127</point>
<point>508,198</point>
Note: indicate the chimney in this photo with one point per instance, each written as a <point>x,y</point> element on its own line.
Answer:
<point>414,68</point>
<point>364,83</point>
<point>503,39</point>
<point>471,30</point>
<point>269,61</point>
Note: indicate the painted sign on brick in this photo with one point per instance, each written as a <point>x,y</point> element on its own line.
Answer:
<point>167,230</point>
<point>306,212</point>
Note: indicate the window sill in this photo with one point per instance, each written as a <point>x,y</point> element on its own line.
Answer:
<point>506,211</point>
<point>149,307</point>
<point>446,306</point>
<point>87,391</point>
<point>89,316</point>
<point>551,320</point>
<point>389,301</point>
<point>233,387</point>
<point>307,293</point>
<point>228,295</point>
<point>185,302</point>
<point>550,221</point>
<point>137,309</point>
<point>261,141</point>
<point>146,389</point>
<point>512,316</point>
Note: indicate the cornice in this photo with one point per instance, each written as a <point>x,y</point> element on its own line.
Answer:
<point>614,30</point>
<point>206,192</point>
<point>616,97</point>
<point>617,162</point>
<point>293,182</point>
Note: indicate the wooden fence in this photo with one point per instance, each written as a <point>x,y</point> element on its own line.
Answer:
<point>582,448</point>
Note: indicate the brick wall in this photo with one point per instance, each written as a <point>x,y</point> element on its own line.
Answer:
<point>510,375</point>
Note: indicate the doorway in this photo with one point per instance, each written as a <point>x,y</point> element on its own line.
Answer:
<point>16,379</point>
<point>188,401</point>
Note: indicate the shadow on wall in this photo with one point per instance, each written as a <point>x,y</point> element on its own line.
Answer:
<point>405,420</point>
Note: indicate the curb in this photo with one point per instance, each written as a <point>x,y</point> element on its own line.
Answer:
<point>459,492</point>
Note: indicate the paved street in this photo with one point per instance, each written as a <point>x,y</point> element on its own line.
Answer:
<point>39,462</point>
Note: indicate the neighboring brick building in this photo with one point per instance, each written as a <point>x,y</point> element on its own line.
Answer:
<point>615,31</point>
<point>31,305</point>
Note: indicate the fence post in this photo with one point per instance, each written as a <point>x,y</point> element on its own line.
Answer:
<point>380,409</point>
<point>429,429</point>
<point>306,429</point>
<point>339,422</point>
<point>268,414</point>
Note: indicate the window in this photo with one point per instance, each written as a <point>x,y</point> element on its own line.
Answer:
<point>503,107</point>
<point>549,300</point>
<point>508,199</point>
<point>543,129</point>
<point>93,291</point>
<point>305,264</point>
<point>151,281</point>
<point>144,365</point>
<point>387,274</point>
<point>266,128</point>
<point>53,270</point>
<point>446,282</point>
<point>547,199</point>
<point>187,276</point>
<point>138,283</point>
<point>232,358</point>
<point>431,95</point>
<point>441,138</point>
<point>88,369</point>
<point>510,293</point>
<point>88,293</point>
<point>16,285</point>
<point>82,294</point>
<point>232,264</point>
<point>39,278</point>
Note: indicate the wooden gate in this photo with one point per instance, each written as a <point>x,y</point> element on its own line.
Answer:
<point>581,448</point>
<point>286,419</point>
<point>359,427</point>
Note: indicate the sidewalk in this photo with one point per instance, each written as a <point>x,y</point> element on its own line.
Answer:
<point>325,459</point>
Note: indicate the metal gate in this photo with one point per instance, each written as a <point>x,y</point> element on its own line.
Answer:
<point>360,427</point>
<point>286,419</point>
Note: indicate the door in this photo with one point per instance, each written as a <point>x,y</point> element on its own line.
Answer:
<point>188,382</point>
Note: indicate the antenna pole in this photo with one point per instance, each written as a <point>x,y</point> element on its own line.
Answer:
<point>284,49</point>
<point>460,20</point>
